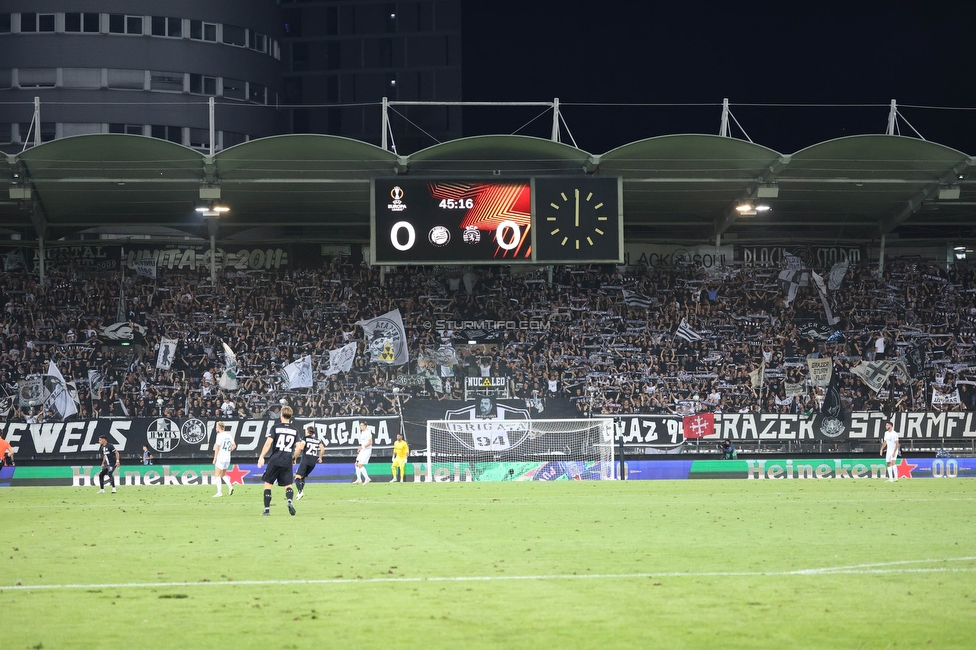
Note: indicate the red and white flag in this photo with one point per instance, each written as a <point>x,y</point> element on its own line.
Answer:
<point>698,425</point>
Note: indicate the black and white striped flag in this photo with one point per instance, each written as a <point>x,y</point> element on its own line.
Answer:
<point>634,299</point>
<point>685,332</point>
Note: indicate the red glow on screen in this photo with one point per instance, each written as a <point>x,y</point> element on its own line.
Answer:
<point>493,204</point>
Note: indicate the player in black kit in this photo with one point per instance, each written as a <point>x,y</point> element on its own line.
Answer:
<point>110,462</point>
<point>287,445</point>
<point>311,458</point>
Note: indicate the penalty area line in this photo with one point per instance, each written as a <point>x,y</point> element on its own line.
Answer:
<point>863,569</point>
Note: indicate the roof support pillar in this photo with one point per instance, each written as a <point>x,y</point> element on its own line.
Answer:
<point>213,131</point>
<point>212,223</point>
<point>555,120</point>
<point>881,257</point>
<point>723,129</point>
<point>385,123</point>
<point>40,258</point>
<point>37,121</point>
<point>892,118</point>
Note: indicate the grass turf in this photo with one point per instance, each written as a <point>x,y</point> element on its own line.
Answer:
<point>678,564</point>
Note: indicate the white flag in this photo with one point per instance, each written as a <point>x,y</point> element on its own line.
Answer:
<point>758,376</point>
<point>60,400</point>
<point>387,338</point>
<point>836,276</point>
<point>939,398</point>
<point>793,262</point>
<point>167,351</point>
<point>298,374</point>
<point>146,268</point>
<point>340,360</point>
<point>123,331</point>
<point>821,370</point>
<point>228,379</point>
<point>822,290</point>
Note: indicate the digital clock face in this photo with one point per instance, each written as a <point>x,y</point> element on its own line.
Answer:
<point>419,221</point>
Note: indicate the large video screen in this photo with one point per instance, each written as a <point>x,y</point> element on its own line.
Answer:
<point>418,221</point>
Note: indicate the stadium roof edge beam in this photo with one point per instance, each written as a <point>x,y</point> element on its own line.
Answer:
<point>675,187</point>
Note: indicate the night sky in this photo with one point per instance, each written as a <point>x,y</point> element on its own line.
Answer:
<point>610,54</point>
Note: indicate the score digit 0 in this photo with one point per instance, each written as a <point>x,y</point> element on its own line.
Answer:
<point>500,234</point>
<point>395,235</point>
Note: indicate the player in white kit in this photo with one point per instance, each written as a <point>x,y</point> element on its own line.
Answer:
<point>890,448</point>
<point>223,445</point>
<point>365,451</point>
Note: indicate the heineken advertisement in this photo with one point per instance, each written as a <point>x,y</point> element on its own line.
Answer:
<point>786,469</point>
<point>777,469</point>
<point>164,475</point>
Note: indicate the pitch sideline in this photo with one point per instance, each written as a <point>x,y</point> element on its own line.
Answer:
<point>859,569</point>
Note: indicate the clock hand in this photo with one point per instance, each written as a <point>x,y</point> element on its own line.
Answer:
<point>577,207</point>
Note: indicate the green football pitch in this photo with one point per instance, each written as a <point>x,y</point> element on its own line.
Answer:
<point>677,564</point>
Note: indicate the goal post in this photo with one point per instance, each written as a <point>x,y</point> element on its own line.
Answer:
<point>518,450</point>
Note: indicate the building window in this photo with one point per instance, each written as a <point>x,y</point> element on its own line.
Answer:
<point>200,138</point>
<point>28,22</point>
<point>166,81</point>
<point>133,25</point>
<point>69,129</point>
<point>386,52</point>
<point>201,85</point>
<point>6,78</point>
<point>90,23</point>
<point>129,129</point>
<point>202,31</point>
<point>333,60</point>
<point>234,35</point>
<point>116,24</point>
<point>167,26</point>
<point>90,78</point>
<point>45,22</point>
<point>293,22</point>
<point>331,21</point>
<point>255,92</point>
<point>37,77</point>
<point>231,138</point>
<point>258,42</point>
<point>127,79</point>
<point>299,57</point>
<point>4,23</point>
<point>6,133</point>
<point>171,133</point>
<point>72,22</point>
<point>234,89</point>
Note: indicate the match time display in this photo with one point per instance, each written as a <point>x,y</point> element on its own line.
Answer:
<point>436,221</point>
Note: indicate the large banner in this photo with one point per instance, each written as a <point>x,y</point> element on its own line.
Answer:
<point>417,412</point>
<point>646,434</point>
<point>139,259</point>
<point>175,438</point>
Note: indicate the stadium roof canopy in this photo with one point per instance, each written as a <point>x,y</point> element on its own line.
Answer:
<point>676,188</point>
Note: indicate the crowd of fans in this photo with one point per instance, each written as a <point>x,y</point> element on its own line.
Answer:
<point>601,336</point>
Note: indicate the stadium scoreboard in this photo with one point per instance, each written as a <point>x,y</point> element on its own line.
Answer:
<point>539,220</point>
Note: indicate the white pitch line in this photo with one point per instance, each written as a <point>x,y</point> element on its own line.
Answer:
<point>861,569</point>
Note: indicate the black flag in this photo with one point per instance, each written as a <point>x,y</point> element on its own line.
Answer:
<point>914,360</point>
<point>831,422</point>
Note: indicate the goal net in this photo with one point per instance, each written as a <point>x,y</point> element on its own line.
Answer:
<point>520,450</point>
